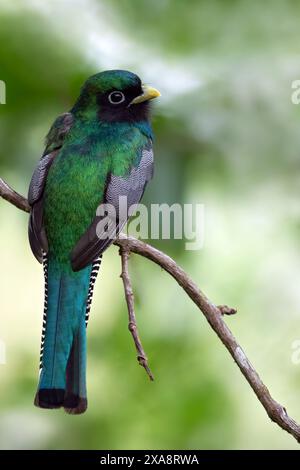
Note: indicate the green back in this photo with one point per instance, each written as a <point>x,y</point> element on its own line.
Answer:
<point>76,181</point>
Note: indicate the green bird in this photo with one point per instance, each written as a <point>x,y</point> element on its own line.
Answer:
<point>96,153</point>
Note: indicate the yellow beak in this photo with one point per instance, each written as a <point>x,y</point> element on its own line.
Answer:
<point>148,94</point>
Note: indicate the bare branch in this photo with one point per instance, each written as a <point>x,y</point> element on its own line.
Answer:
<point>132,326</point>
<point>212,313</point>
<point>13,197</point>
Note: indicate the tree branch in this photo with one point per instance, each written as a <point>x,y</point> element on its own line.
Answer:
<point>132,326</point>
<point>212,313</point>
<point>14,198</point>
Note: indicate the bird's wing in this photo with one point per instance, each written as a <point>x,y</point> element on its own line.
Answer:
<point>102,231</point>
<point>54,141</point>
<point>60,128</point>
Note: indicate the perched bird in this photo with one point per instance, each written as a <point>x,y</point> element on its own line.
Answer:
<point>97,152</point>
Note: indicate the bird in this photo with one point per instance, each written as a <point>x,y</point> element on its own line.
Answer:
<point>99,151</point>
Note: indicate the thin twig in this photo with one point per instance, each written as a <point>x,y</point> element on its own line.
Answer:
<point>212,313</point>
<point>132,325</point>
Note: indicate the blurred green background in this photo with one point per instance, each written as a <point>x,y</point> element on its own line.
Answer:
<point>227,136</point>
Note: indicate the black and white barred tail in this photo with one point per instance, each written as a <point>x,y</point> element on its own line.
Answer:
<point>45,269</point>
<point>93,277</point>
<point>95,269</point>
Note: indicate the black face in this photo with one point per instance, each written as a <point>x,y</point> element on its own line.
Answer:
<point>114,105</point>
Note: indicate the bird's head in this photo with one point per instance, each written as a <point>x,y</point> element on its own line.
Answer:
<point>115,96</point>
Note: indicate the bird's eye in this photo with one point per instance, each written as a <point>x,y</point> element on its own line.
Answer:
<point>116,97</point>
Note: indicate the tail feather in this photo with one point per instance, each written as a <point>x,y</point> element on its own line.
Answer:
<point>45,269</point>
<point>63,349</point>
<point>75,401</point>
<point>76,367</point>
<point>94,273</point>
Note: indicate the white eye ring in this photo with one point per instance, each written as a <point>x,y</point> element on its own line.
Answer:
<point>116,97</point>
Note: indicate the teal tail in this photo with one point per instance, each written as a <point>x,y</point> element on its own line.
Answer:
<point>68,299</point>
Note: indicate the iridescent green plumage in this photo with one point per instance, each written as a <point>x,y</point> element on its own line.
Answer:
<point>99,151</point>
<point>93,148</point>
<point>77,178</point>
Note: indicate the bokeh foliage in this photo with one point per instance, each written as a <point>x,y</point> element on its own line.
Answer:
<point>226,136</point>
